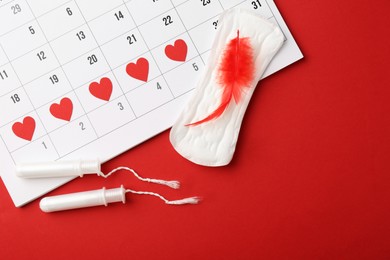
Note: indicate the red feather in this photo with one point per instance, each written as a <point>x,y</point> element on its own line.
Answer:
<point>235,73</point>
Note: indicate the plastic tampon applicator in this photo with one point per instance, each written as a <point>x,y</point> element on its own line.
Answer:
<point>77,168</point>
<point>99,198</point>
<point>89,198</point>
<point>57,169</point>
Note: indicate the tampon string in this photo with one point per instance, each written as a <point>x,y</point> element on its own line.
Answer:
<point>171,184</point>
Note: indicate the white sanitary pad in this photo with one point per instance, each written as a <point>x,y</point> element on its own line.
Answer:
<point>213,143</point>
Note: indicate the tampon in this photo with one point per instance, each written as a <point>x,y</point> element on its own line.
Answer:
<point>58,169</point>
<point>83,199</point>
<point>77,168</point>
<point>100,197</point>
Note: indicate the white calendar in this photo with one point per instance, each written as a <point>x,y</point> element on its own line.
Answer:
<point>90,79</point>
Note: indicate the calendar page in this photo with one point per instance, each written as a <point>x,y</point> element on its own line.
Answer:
<point>88,79</point>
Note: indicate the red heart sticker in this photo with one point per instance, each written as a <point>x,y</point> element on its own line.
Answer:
<point>25,129</point>
<point>101,90</point>
<point>139,70</point>
<point>177,51</point>
<point>63,110</point>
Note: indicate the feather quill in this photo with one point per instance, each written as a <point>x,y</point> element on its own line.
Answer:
<point>235,74</point>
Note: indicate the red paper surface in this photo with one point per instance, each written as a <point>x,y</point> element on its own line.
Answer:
<point>310,178</point>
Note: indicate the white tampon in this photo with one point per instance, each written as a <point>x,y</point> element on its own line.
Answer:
<point>99,198</point>
<point>77,168</point>
<point>57,169</point>
<point>83,199</point>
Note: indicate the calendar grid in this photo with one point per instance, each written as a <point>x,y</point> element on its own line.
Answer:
<point>93,19</point>
<point>74,88</point>
<point>85,113</point>
<point>104,43</point>
<point>77,57</point>
<point>99,76</point>
<point>56,38</point>
<point>66,32</point>
<point>99,47</point>
<point>28,22</point>
<point>29,100</point>
<point>164,43</point>
<point>87,52</point>
<point>106,134</point>
<point>187,32</point>
<point>149,50</point>
<point>74,119</point>
<point>114,68</point>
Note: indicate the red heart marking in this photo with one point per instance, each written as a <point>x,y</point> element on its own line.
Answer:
<point>101,90</point>
<point>139,70</point>
<point>63,110</point>
<point>177,51</point>
<point>24,130</point>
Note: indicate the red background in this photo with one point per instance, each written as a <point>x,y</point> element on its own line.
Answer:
<point>310,178</point>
